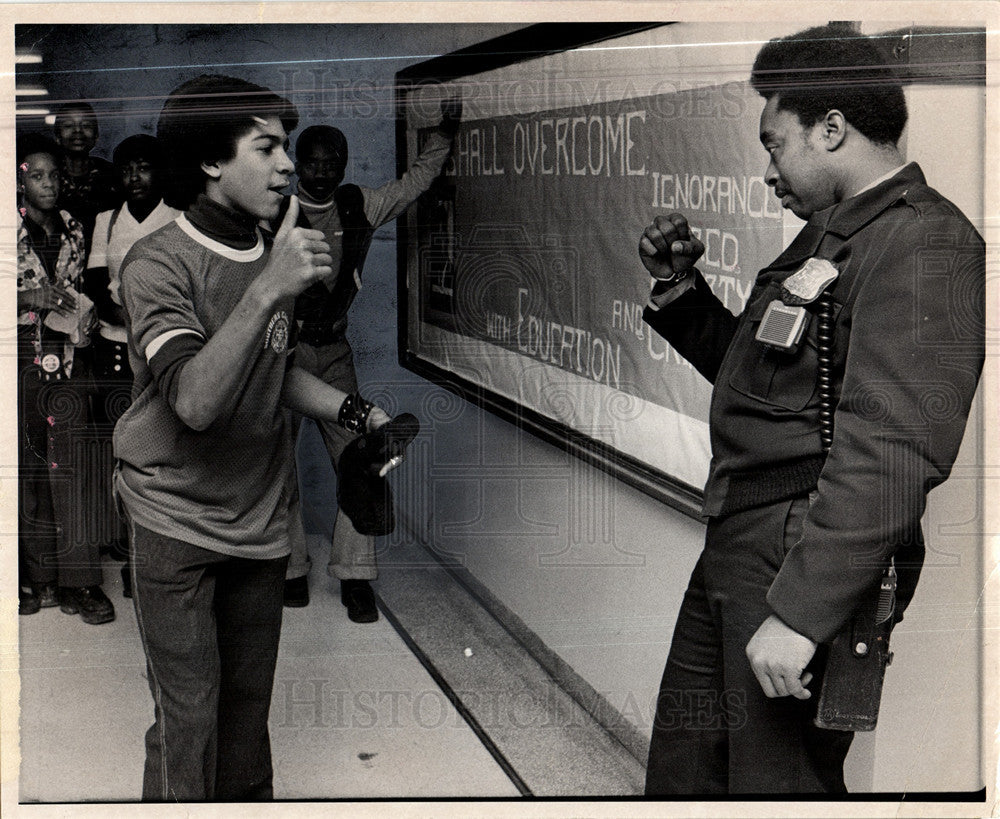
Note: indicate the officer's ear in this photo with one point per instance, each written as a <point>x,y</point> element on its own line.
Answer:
<point>832,129</point>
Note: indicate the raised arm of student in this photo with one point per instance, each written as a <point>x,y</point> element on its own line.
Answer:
<point>385,203</point>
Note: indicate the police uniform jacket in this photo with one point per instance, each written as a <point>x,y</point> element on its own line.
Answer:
<point>908,348</point>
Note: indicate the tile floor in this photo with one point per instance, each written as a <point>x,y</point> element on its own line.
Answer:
<point>353,715</point>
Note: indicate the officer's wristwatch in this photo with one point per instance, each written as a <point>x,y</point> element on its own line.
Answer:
<point>674,279</point>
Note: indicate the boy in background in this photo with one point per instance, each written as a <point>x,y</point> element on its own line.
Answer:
<point>348,215</point>
<point>88,184</point>
<point>138,165</point>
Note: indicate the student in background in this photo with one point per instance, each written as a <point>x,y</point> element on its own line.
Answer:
<point>59,566</point>
<point>137,162</point>
<point>348,215</point>
<point>88,184</point>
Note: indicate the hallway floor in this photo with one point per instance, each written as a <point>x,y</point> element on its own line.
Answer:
<point>353,715</point>
<point>434,700</point>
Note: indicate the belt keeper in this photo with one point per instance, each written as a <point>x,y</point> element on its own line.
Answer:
<point>354,412</point>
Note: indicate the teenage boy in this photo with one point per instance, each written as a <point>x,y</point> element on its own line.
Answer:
<point>138,165</point>
<point>348,215</point>
<point>59,566</point>
<point>204,451</point>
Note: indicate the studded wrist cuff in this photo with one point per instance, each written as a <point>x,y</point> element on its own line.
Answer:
<point>354,412</point>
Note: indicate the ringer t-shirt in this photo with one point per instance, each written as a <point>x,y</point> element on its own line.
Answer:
<point>224,488</point>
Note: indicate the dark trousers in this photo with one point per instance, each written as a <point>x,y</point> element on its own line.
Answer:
<point>715,732</point>
<point>112,394</point>
<point>53,437</point>
<point>209,625</point>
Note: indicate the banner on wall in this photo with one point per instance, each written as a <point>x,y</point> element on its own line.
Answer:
<point>526,273</point>
<point>542,260</point>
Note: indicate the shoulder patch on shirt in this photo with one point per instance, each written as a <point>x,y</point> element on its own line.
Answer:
<point>276,336</point>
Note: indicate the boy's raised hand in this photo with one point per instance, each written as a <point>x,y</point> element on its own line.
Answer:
<point>300,256</point>
<point>451,115</point>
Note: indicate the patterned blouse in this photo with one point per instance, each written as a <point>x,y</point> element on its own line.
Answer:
<point>31,273</point>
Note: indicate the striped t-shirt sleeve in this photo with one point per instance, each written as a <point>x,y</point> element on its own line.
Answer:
<point>164,326</point>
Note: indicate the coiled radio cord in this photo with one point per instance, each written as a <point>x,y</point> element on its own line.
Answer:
<point>886,602</point>
<point>824,379</point>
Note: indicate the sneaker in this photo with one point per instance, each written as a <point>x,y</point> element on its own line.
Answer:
<point>90,602</point>
<point>27,600</point>
<point>48,595</point>
<point>297,592</point>
<point>359,598</point>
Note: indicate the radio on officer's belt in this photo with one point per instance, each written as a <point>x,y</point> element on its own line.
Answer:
<point>786,319</point>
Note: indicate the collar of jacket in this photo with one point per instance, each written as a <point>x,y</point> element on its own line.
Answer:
<point>847,217</point>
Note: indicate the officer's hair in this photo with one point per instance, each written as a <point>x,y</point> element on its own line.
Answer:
<point>833,67</point>
<point>201,122</point>
<point>327,135</point>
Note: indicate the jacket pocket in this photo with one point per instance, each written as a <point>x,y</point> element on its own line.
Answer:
<point>779,379</point>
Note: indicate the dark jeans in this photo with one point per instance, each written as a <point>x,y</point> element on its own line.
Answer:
<point>53,459</point>
<point>112,394</point>
<point>715,732</point>
<point>209,625</point>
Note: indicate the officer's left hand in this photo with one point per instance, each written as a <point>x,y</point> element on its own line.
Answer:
<point>778,655</point>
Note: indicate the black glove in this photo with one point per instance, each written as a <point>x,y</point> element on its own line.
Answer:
<point>365,497</point>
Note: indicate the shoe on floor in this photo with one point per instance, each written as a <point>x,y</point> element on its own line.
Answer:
<point>90,602</point>
<point>359,598</point>
<point>126,580</point>
<point>48,594</point>
<point>35,596</point>
<point>27,600</point>
<point>297,592</point>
